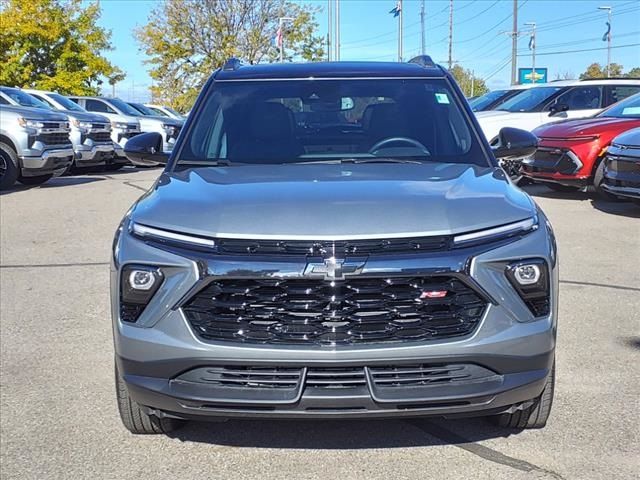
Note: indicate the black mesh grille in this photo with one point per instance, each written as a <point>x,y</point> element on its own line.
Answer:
<point>337,248</point>
<point>355,310</point>
<point>551,160</point>
<point>61,138</point>
<point>413,375</point>
<point>100,136</point>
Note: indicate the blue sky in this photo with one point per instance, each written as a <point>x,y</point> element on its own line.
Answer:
<point>369,32</point>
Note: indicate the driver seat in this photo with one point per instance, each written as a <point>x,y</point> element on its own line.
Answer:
<point>383,120</point>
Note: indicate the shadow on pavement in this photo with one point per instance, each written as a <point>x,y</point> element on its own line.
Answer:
<point>625,209</point>
<point>340,434</point>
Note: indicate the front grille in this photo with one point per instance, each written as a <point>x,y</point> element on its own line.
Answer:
<point>99,126</point>
<point>551,160</point>
<point>335,377</point>
<point>318,312</point>
<point>333,248</point>
<point>623,172</point>
<point>244,377</point>
<point>100,136</point>
<point>59,138</point>
<point>127,135</point>
<point>415,375</point>
<point>55,125</point>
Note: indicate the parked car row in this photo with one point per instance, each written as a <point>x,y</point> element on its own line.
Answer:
<point>573,129</point>
<point>44,134</point>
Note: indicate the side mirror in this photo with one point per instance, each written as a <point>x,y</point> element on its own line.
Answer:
<point>145,150</point>
<point>514,143</point>
<point>558,108</point>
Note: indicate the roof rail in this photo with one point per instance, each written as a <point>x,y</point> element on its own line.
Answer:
<point>608,78</point>
<point>423,61</point>
<point>232,64</point>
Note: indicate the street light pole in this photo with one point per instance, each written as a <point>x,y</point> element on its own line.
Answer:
<point>608,10</point>
<point>281,21</point>
<point>532,43</point>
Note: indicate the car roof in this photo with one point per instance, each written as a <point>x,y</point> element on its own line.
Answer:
<point>281,71</point>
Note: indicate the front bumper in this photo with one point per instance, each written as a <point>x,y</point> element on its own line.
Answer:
<point>53,161</point>
<point>514,348</point>
<point>555,165</point>
<point>94,154</point>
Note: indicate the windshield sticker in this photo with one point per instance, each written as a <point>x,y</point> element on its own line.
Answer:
<point>631,111</point>
<point>442,98</point>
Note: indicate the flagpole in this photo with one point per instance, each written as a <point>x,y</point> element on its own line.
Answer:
<point>337,30</point>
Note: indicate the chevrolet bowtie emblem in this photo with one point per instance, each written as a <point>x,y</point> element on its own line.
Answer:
<point>334,268</point>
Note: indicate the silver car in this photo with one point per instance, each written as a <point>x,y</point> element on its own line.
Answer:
<point>333,240</point>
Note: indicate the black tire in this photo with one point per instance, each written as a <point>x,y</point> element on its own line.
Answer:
<point>135,419</point>
<point>536,415</point>
<point>8,166</point>
<point>33,181</point>
<point>556,187</point>
<point>598,180</point>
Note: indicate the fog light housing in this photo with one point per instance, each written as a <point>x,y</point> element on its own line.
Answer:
<point>530,278</point>
<point>138,285</point>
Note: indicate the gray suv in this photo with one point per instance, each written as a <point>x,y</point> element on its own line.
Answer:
<point>333,240</point>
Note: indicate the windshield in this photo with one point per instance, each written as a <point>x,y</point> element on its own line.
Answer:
<point>172,111</point>
<point>124,107</point>
<point>478,104</point>
<point>24,99</point>
<point>66,103</point>
<point>273,122</point>
<point>627,108</point>
<point>143,109</point>
<point>528,100</point>
<point>157,111</point>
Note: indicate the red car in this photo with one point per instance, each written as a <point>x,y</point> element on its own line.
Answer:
<point>570,152</point>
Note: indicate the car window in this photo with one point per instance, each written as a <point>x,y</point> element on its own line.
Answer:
<point>157,111</point>
<point>477,104</point>
<point>97,106</point>
<point>293,121</point>
<point>143,109</point>
<point>24,99</point>
<point>529,100</point>
<point>66,103</point>
<point>627,108</point>
<point>43,99</point>
<point>125,107</point>
<point>620,92</point>
<point>3,101</point>
<point>581,98</point>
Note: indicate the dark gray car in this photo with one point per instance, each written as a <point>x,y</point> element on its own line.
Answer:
<point>622,167</point>
<point>333,240</point>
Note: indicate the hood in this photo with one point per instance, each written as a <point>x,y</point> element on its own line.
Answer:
<point>628,140</point>
<point>332,201</point>
<point>492,113</point>
<point>117,117</point>
<point>586,126</point>
<point>86,116</point>
<point>36,113</point>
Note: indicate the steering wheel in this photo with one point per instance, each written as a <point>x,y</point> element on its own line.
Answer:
<point>410,141</point>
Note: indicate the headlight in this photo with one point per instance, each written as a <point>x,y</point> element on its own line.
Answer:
<point>28,123</point>
<point>497,233</point>
<point>119,125</point>
<point>138,285</point>
<point>170,129</point>
<point>78,124</point>
<point>530,278</point>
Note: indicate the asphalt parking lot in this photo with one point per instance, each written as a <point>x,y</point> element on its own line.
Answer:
<point>58,412</point>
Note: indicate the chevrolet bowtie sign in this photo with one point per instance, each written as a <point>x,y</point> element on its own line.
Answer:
<point>334,268</point>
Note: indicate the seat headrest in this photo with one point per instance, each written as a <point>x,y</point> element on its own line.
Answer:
<point>271,121</point>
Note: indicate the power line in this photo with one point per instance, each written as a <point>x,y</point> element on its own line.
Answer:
<point>493,27</point>
<point>584,50</point>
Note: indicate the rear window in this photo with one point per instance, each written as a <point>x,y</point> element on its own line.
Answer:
<point>271,122</point>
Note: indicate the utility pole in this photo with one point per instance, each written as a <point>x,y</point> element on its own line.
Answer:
<point>514,45</point>
<point>422,38</point>
<point>532,47</point>
<point>329,29</point>
<point>338,30</point>
<point>608,34</point>
<point>400,34</point>
<point>450,62</point>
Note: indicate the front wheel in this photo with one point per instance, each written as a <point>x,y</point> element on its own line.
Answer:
<point>8,166</point>
<point>536,415</point>
<point>33,181</point>
<point>135,419</point>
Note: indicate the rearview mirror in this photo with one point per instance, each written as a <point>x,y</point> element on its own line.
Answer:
<point>558,108</point>
<point>515,143</point>
<point>145,150</point>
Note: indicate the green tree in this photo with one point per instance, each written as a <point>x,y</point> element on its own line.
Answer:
<point>595,70</point>
<point>54,45</point>
<point>116,77</point>
<point>471,85</point>
<point>634,73</point>
<point>186,40</point>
